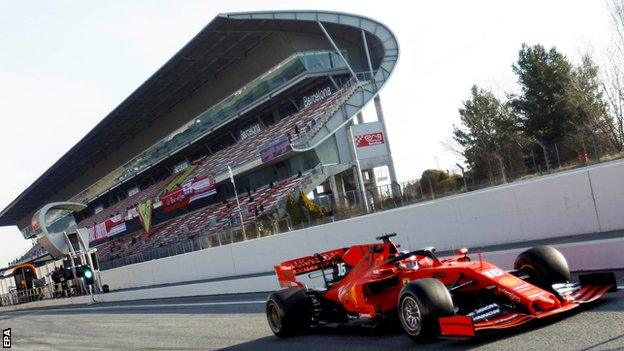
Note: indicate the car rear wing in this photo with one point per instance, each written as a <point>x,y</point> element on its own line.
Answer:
<point>287,271</point>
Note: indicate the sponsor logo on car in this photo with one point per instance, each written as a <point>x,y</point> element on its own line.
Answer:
<point>485,312</point>
<point>509,281</point>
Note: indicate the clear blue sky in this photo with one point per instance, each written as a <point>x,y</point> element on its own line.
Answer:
<point>65,64</point>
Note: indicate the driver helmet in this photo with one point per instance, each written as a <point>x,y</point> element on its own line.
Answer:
<point>410,263</point>
<point>425,262</point>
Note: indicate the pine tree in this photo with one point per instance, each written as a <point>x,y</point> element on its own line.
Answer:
<point>488,127</point>
<point>545,108</point>
<point>586,94</point>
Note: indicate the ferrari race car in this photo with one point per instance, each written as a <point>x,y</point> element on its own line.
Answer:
<point>456,296</point>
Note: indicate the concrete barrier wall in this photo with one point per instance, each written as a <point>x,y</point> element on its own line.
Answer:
<point>590,200</point>
<point>608,190</point>
<point>582,256</point>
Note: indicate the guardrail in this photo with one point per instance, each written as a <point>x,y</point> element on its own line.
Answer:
<point>47,292</point>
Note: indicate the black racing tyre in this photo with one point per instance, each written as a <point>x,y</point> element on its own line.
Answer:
<point>421,303</point>
<point>544,265</point>
<point>289,312</point>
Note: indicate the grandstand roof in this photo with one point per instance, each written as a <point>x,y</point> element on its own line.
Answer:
<point>220,44</point>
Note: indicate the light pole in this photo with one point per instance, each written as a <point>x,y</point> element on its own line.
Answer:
<point>463,176</point>
<point>240,213</point>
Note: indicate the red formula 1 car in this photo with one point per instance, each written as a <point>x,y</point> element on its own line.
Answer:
<point>456,296</point>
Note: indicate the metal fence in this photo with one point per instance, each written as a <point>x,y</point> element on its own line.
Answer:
<point>49,291</point>
<point>348,205</point>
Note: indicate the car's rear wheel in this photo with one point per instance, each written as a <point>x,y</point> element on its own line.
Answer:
<point>544,265</point>
<point>288,312</point>
<point>421,303</point>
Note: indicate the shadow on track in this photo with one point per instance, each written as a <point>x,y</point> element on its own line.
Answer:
<point>392,337</point>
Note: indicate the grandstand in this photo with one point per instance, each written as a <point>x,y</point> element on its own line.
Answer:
<point>256,107</point>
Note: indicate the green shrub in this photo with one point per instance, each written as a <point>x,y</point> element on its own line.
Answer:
<point>303,209</point>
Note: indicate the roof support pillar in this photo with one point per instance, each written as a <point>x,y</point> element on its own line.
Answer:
<point>393,178</point>
<point>333,81</point>
<point>294,104</point>
<point>359,180</point>
<point>368,59</point>
<point>331,41</point>
<point>381,119</point>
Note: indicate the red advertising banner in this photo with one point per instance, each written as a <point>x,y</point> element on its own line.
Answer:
<point>111,226</point>
<point>174,199</point>
<point>190,191</point>
<point>371,139</point>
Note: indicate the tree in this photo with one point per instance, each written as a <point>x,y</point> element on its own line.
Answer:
<point>612,78</point>
<point>441,181</point>
<point>544,107</point>
<point>294,210</point>
<point>303,209</point>
<point>488,130</point>
<point>586,95</point>
<point>313,210</point>
<point>558,103</point>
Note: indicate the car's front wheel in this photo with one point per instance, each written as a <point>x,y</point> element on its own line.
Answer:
<point>288,312</point>
<point>544,265</point>
<point>421,303</point>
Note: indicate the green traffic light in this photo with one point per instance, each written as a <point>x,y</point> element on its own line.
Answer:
<point>87,275</point>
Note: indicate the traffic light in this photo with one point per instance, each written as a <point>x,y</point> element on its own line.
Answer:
<point>87,275</point>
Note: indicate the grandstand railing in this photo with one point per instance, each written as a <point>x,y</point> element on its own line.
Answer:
<point>312,127</point>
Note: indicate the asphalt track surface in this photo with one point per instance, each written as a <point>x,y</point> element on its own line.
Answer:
<point>237,322</point>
